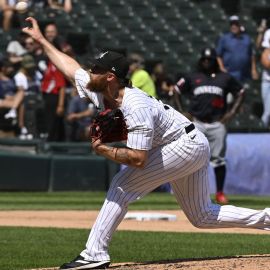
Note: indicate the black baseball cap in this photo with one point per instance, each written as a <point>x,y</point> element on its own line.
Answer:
<point>209,53</point>
<point>112,61</point>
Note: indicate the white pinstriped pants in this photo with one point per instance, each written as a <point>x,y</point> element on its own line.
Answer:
<point>184,164</point>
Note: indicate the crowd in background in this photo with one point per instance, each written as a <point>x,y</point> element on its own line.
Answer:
<point>35,98</point>
<point>10,12</point>
<point>36,101</point>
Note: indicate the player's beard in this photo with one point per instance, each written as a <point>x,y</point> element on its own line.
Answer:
<point>97,86</point>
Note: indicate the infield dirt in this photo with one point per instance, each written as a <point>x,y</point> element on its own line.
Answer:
<point>85,219</point>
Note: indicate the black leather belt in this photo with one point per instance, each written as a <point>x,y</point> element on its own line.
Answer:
<point>189,128</point>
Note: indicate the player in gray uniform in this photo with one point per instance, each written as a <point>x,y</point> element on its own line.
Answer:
<point>207,89</point>
<point>162,146</point>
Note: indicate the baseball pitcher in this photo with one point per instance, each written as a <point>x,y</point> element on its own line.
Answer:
<point>162,146</point>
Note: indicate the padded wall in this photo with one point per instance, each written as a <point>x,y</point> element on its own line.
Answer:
<point>38,172</point>
<point>78,173</point>
<point>24,172</point>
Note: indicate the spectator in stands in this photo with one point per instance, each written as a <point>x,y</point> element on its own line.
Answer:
<point>261,31</point>
<point>235,53</point>
<point>7,14</point>
<point>27,80</point>
<point>51,34</point>
<point>38,4</point>
<point>163,83</point>
<point>10,97</point>
<point>8,11</point>
<point>65,5</point>
<point>156,70</point>
<point>79,114</point>
<point>16,50</point>
<point>168,94</point>
<point>34,49</point>
<point>265,87</point>
<point>139,76</point>
<point>53,87</point>
<point>207,89</point>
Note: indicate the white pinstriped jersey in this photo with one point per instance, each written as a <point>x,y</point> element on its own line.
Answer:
<point>150,123</point>
<point>81,80</point>
<point>174,156</point>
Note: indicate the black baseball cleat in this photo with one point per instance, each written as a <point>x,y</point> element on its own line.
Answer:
<point>81,263</point>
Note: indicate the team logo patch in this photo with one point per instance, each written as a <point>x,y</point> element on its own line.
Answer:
<point>103,54</point>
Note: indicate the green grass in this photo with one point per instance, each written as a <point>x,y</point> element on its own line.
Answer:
<point>23,248</point>
<point>94,200</point>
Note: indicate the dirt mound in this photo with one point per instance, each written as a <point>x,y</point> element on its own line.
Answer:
<point>255,262</point>
<point>85,219</point>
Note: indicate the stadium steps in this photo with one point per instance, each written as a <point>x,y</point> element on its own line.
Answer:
<point>174,31</point>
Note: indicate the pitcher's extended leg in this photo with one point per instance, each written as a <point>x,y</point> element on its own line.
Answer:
<point>192,193</point>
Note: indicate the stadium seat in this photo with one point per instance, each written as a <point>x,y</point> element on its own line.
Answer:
<point>93,4</point>
<point>184,5</point>
<point>259,12</point>
<point>80,42</point>
<point>174,30</point>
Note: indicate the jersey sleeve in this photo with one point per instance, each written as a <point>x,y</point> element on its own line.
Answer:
<point>82,78</point>
<point>140,129</point>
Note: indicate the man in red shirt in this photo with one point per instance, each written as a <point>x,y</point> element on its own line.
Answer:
<point>53,89</point>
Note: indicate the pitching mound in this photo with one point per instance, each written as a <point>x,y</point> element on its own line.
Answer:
<point>256,262</point>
